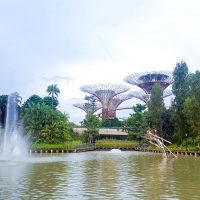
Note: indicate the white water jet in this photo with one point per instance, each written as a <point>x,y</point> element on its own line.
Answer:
<point>115,151</point>
<point>13,144</point>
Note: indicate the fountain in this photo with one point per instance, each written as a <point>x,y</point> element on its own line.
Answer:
<point>13,144</point>
<point>115,151</point>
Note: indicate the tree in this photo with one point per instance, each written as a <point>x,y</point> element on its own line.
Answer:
<point>180,90</point>
<point>167,124</point>
<point>111,123</point>
<point>51,101</point>
<point>91,122</point>
<point>3,104</point>
<point>53,91</point>
<point>136,124</point>
<point>37,119</point>
<point>33,99</point>
<point>192,105</point>
<point>156,108</point>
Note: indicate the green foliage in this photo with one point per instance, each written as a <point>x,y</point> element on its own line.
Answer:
<point>111,123</point>
<point>53,90</point>
<point>180,90</point>
<point>167,125</point>
<point>180,85</point>
<point>91,122</point>
<point>33,99</point>
<point>136,124</point>
<point>156,108</point>
<point>41,128</point>
<point>66,145</point>
<point>3,104</point>
<point>192,104</point>
<point>51,101</point>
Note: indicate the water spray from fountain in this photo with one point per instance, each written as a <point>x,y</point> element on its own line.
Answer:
<point>13,144</point>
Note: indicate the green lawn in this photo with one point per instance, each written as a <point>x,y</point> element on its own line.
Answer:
<point>116,143</point>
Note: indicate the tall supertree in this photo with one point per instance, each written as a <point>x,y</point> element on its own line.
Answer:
<point>115,102</point>
<point>146,80</point>
<point>104,93</point>
<point>88,108</point>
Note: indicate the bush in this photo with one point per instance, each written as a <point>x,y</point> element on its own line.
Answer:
<point>70,145</point>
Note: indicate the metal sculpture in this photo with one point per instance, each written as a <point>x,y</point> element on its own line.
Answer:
<point>104,93</point>
<point>140,94</point>
<point>88,108</point>
<point>167,93</point>
<point>115,102</point>
<point>146,80</point>
<point>157,141</point>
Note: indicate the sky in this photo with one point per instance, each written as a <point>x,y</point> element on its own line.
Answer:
<point>73,43</point>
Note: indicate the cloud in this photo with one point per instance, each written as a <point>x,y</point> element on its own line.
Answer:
<point>75,43</point>
<point>58,78</point>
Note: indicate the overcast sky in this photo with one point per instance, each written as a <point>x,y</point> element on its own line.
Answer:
<point>77,42</point>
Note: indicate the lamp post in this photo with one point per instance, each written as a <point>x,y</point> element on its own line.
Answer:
<point>186,141</point>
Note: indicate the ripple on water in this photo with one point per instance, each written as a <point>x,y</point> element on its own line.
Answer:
<point>100,175</point>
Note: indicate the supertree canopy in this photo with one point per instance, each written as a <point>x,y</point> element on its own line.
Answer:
<point>115,102</point>
<point>88,108</point>
<point>140,94</point>
<point>167,93</point>
<point>104,93</point>
<point>146,80</point>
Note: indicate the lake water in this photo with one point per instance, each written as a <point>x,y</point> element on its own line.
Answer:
<point>100,175</point>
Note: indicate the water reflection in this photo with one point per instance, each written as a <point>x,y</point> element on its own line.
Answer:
<point>100,175</point>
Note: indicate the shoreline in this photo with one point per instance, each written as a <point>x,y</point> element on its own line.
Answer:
<point>93,148</point>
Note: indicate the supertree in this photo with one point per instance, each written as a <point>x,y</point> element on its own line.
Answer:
<point>115,102</point>
<point>104,93</point>
<point>140,94</point>
<point>88,108</point>
<point>167,93</point>
<point>146,80</point>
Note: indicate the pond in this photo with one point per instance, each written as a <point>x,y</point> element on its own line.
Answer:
<point>100,175</point>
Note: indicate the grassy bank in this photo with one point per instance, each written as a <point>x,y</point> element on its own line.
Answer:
<point>70,145</point>
<point>116,143</point>
<point>175,147</point>
<point>110,143</point>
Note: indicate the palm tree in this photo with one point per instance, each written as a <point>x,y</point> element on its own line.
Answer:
<point>53,90</point>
